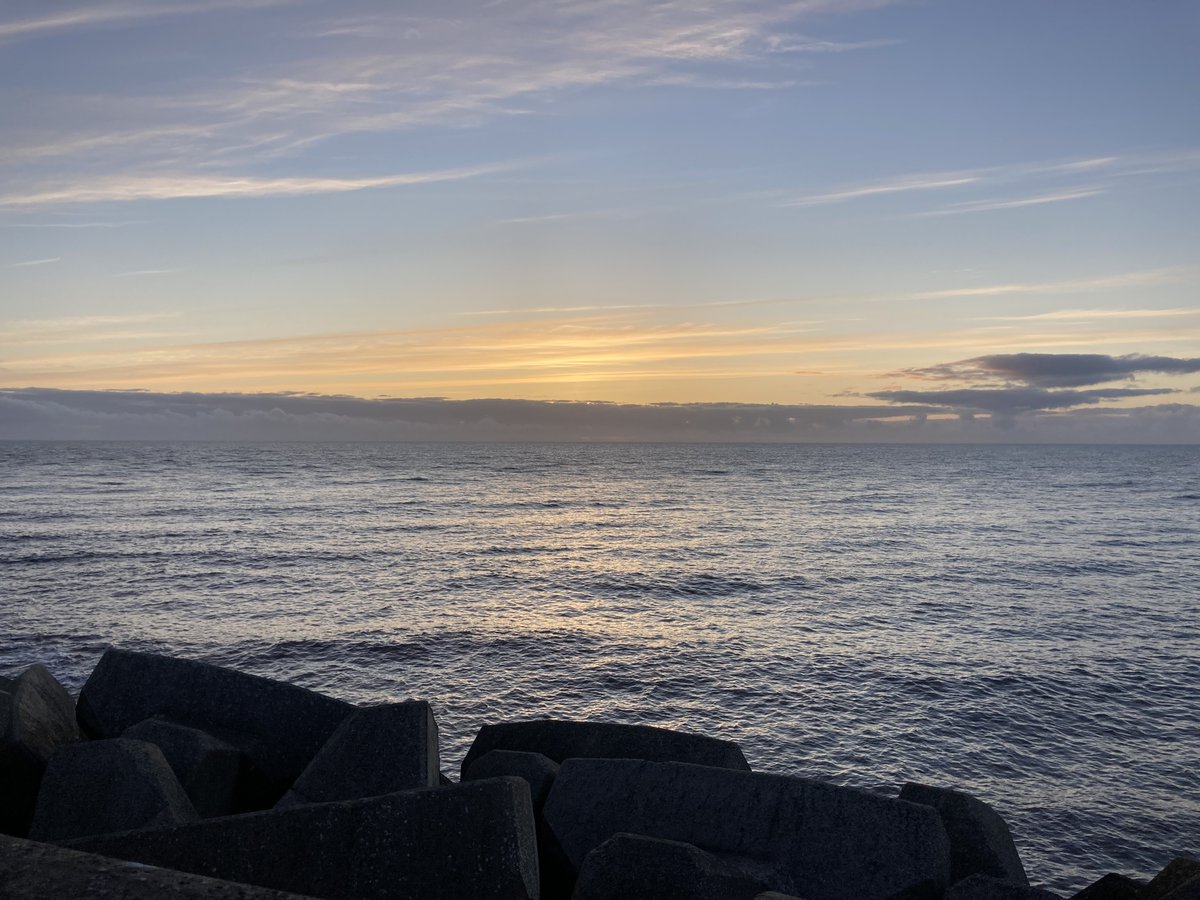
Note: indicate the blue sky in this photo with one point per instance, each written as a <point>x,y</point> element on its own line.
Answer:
<point>802,203</point>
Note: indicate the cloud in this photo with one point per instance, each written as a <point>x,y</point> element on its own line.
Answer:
<point>1087,315</point>
<point>44,414</point>
<point>1038,200</point>
<point>122,189</point>
<point>33,263</point>
<point>97,15</point>
<point>901,185</point>
<point>1054,370</point>
<point>1013,401</point>
<point>38,412</point>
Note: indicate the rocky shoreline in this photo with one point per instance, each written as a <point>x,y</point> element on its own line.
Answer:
<point>175,778</point>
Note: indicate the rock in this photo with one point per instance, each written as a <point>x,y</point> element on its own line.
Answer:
<point>280,727</point>
<point>98,787</point>
<point>632,865</point>
<point>207,767</point>
<point>1189,890</point>
<point>985,887</point>
<point>37,716</point>
<point>34,871</point>
<point>1176,874</point>
<point>980,842</point>
<point>445,843</point>
<point>374,751</point>
<point>538,770</point>
<point>1111,887</point>
<point>561,740</point>
<point>818,840</point>
<point>775,895</point>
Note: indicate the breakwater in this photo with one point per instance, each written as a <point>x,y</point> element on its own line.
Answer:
<point>199,769</point>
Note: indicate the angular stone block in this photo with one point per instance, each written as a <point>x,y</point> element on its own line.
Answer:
<point>37,716</point>
<point>820,841</point>
<point>1175,875</point>
<point>559,740</point>
<point>632,865</point>
<point>280,727</point>
<point>98,787</point>
<point>378,750</point>
<point>207,767</point>
<point>445,843</point>
<point>30,870</point>
<point>985,887</point>
<point>1111,887</point>
<point>539,771</point>
<point>980,842</point>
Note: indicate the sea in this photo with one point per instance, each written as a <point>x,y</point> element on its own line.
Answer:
<point>1020,622</point>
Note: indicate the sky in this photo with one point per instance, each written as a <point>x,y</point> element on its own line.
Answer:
<point>775,219</point>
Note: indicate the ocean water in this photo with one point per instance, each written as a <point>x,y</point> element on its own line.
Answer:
<point>1019,622</point>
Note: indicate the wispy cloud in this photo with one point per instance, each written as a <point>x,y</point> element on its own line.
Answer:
<point>31,263</point>
<point>902,185</point>
<point>1087,315</point>
<point>97,15</point>
<point>1018,203</point>
<point>122,189</point>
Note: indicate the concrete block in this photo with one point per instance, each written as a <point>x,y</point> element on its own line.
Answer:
<point>445,843</point>
<point>97,787</point>
<point>985,887</point>
<point>1174,875</point>
<point>980,842</point>
<point>37,716</point>
<point>821,841</point>
<point>280,727</point>
<point>538,770</point>
<point>561,740</point>
<point>632,865</point>
<point>206,766</point>
<point>30,870</point>
<point>378,750</point>
<point>1111,887</point>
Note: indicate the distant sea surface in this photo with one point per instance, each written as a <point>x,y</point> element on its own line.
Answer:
<point>1020,622</point>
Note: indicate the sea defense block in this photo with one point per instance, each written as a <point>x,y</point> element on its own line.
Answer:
<point>632,865</point>
<point>559,739</point>
<point>980,842</point>
<point>280,727</point>
<point>30,870</point>
<point>1111,887</point>
<point>985,887</point>
<point>1175,875</point>
<point>818,841</point>
<point>378,750</point>
<point>97,787</point>
<point>207,767</point>
<point>538,770</point>
<point>37,716</point>
<point>445,843</point>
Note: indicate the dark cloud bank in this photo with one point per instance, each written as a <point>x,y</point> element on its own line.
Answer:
<point>1020,415</point>
<point>1055,370</point>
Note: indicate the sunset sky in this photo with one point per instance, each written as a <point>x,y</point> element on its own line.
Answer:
<point>968,207</point>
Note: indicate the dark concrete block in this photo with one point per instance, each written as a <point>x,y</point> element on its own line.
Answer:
<point>280,727</point>
<point>1111,887</point>
<point>445,843</point>
<point>1174,875</point>
<point>34,871</point>
<point>374,751</point>
<point>207,767</point>
<point>820,841</point>
<point>561,740</point>
<point>539,771</point>
<point>985,887</point>
<point>37,716</point>
<point>980,842</point>
<point>632,865</point>
<point>98,787</point>
<point>1189,890</point>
